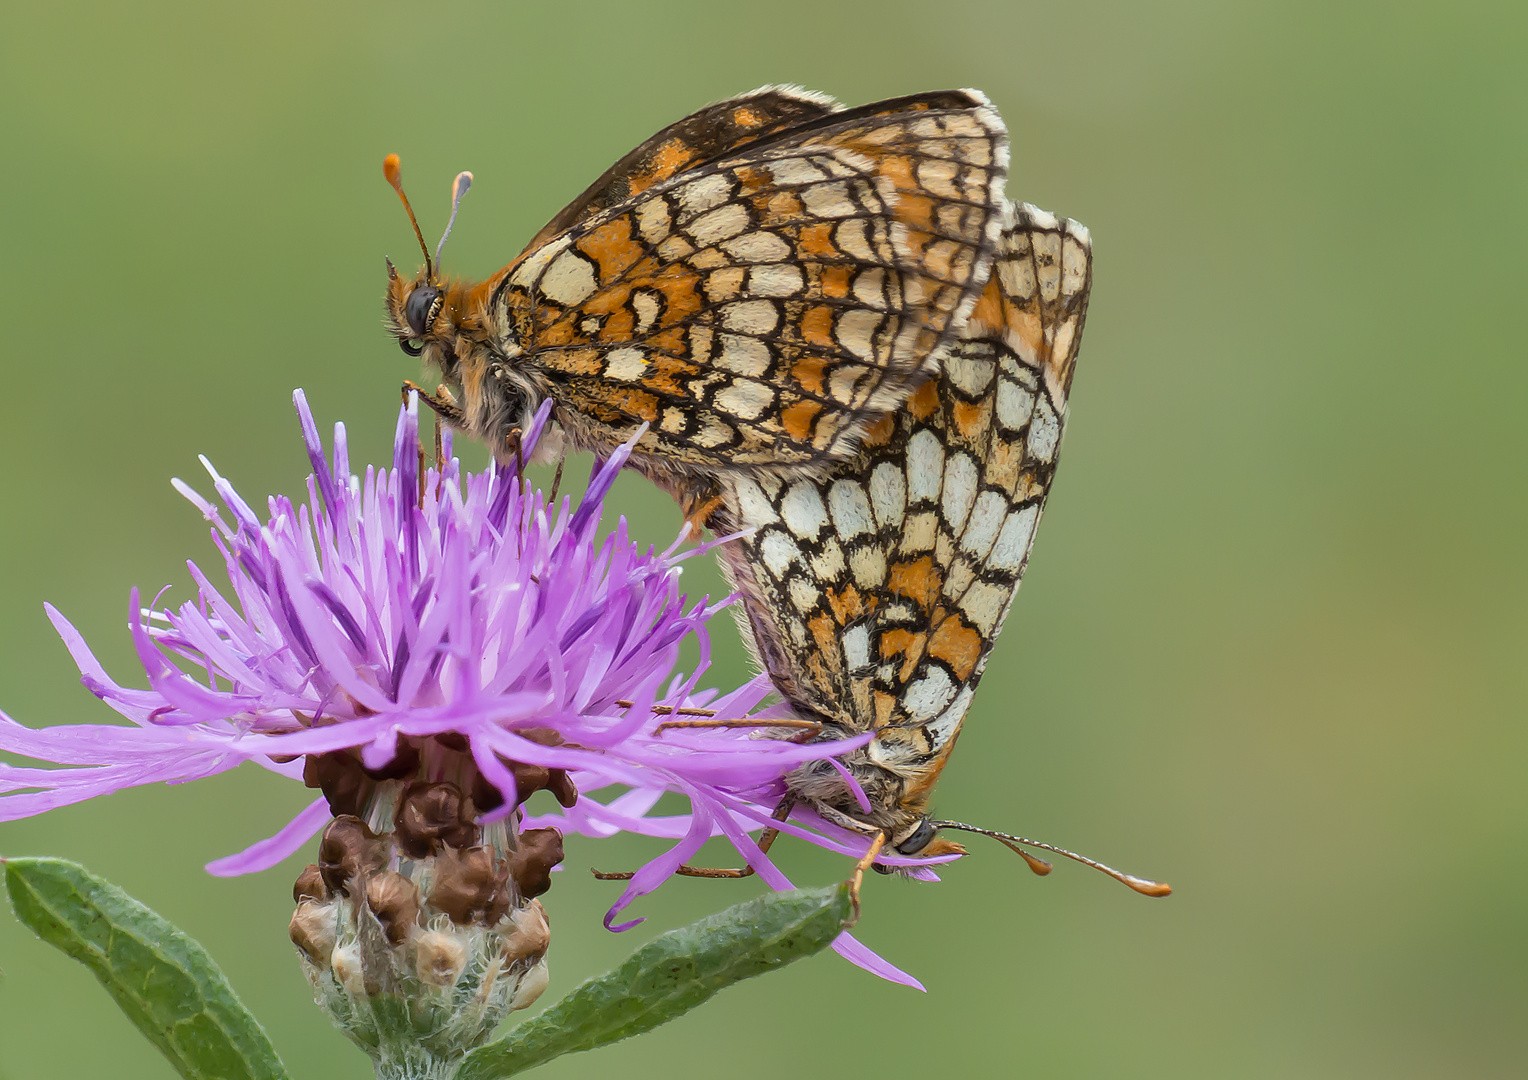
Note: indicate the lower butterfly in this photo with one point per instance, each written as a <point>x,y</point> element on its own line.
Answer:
<point>873,595</point>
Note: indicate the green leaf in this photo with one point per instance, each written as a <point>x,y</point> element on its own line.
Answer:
<point>160,977</point>
<point>669,976</point>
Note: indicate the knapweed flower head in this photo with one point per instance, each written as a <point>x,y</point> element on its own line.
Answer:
<point>414,627</point>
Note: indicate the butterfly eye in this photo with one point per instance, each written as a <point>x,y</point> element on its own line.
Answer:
<point>919,839</point>
<point>420,310</point>
<point>409,347</point>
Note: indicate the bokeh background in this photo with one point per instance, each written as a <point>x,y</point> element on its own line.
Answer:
<point>1271,646</point>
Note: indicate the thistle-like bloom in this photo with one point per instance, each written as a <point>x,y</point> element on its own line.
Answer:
<point>431,626</point>
<point>396,609</point>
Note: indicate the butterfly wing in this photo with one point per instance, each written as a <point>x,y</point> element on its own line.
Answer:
<point>698,138</point>
<point>763,308</point>
<point>873,595</point>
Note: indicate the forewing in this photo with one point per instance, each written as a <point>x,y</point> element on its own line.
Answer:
<point>698,138</point>
<point>765,308</point>
<point>874,595</point>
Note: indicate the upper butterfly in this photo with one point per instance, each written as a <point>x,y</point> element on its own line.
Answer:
<point>759,282</point>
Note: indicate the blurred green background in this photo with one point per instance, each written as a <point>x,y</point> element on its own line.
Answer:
<point>1271,646</point>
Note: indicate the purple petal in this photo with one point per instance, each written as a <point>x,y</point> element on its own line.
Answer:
<point>363,613</point>
<point>264,854</point>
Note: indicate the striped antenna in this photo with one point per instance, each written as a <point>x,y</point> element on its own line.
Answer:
<point>394,173</point>
<point>1040,866</point>
<point>459,188</point>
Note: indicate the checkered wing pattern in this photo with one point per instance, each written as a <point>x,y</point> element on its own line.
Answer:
<point>698,138</point>
<point>765,307</point>
<point>874,594</point>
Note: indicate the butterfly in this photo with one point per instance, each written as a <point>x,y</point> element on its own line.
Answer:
<point>873,594</point>
<point>758,283</point>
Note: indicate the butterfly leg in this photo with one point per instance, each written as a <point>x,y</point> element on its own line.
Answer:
<point>766,841</point>
<point>551,499</point>
<point>866,861</point>
<point>669,710</point>
<point>809,729</point>
<point>444,407</point>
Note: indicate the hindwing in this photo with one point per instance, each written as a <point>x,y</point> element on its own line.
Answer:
<point>873,595</point>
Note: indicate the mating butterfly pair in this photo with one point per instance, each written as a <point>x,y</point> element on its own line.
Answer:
<point>840,334</point>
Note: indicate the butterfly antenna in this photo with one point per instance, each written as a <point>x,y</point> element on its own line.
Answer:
<point>394,174</point>
<point>1041,867</point>
<point>459,187</point>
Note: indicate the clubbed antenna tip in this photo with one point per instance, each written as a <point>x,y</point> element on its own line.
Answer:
<point>1143,886</point>
<point>392,169</point>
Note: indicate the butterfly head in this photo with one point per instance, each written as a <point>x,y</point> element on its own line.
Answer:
<point>418,316</point>
<point>922,838</point>
<point>919,838</point>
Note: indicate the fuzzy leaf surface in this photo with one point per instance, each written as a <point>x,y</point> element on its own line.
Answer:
<point>670,976</point>
<point>158,975</point>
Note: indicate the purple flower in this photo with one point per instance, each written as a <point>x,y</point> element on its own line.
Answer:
<point>401,611</point>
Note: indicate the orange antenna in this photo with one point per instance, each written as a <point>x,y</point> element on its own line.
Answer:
<point>391,170</point>
<point>1041,867</point>
<point>459,187</point>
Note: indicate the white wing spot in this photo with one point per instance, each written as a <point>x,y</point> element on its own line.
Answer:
<point>948,722</point>
<point>888,494</point>
<point>868,565</point>
<point>1015,405</point>
<point>925,466</point>
<point>929,695</point>
<point>777,552</point>
<point>751,317</point>
<point>803,595</point>
<point>796,171</point>
<point>758,247</point>
<point>720,224</point>
<point>803,511</point>
<point>780,279</point>
<point>625,365</point>
<point>703,194</point>
<point>828,200</point>
<point>753,505</point>
<point>829,565</point>
<point>985,521</point>
<point>856,331</point>
<point>743,355</point>
<point>653,220</point>
<point>857,647</point>
<point>745,398</point>
<point>870,287</point>
<point>568,280</point>
<point>1044,435</point>
<point>984,606</point>
<point>1013,542</point>
<point>959,489</point>
<point>920,532</point>
<point>645,304</point>
<point>1074,266</point>
<point>850,236</point>
<point>851,510</point>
